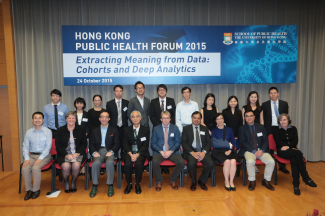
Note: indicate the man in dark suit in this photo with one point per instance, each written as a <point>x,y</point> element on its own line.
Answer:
<point>117,109</point>
<point>140,103</point>
<point>271,110</point>
<point>104,145</point>
<point>165,144</point>
<point>197,146</point>
<point>254,144</point>
<point>135,145</point>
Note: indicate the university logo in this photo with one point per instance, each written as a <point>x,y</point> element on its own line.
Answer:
<point>227,38</point>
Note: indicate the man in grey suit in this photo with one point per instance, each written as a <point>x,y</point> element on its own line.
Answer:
<point>140,103</point>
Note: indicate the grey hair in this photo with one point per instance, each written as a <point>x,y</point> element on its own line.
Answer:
<point>286,115</point>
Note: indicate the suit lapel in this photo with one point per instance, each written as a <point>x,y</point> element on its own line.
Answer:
<point>191,135</point>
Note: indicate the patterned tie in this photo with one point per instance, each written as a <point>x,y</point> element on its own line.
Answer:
<point>254,138</point>
<point>197,139</point>
<point>162,107</point>
<point>166,139</point>
<point>119,118</point>
<point>276,109</point>
<point>135,136</point>
<point>56,116</point>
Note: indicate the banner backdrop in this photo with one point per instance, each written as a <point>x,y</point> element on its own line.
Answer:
<point>110,55</point>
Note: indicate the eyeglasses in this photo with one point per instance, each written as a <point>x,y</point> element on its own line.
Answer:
<point>104,117</point>
<point>135,116</point>
<point>249,116</point>
<point>187,92</point>
<point>140,88</point>
<point>165,118</point>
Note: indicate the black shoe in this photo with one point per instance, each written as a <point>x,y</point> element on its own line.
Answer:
<point>138,189</point>
<point>73,190</point>
<point>128,189</point>
<point>228,188</point>
<point>233,188</point>
<point>166,171</point>
<point>296,191</point>
<point>284,170</point>
<point>36,194</point>
<point>67,191</point>
<point>267,185</point>
<point>28,195</point>
<point>102,171</point>
<point>311,183</point>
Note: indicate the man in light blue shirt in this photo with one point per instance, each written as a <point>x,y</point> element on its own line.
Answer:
<point>36,150</point>
<point>54,113</point>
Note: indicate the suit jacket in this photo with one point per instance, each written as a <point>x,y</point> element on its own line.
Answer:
<point>111,107</point>
<point>246,139</point>
<point>188,138</point>
<point>158,139</point>
<point>84,124</point>
<point>155,111</point>
<point>112,140</point>
<point>134,104</point>
<point>267,113</point>
<point>128,140</point>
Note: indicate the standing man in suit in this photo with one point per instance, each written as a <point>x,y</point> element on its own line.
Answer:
<point>117,108</point>
<point>197,146</point>
<point>140,103</point>
<point>136,150</point>
<point>104,144</point>
<point>271,110</point>
<point>54,113</point>
<point>165,143</point>
<point>254,144</point>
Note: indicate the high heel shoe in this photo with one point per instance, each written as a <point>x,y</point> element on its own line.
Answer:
<point>233,188</point>
<point>73,190</point>
<point>67,191</point>
<point>228,188</point>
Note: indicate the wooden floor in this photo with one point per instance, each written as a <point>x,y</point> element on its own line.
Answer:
<point>215,201</point>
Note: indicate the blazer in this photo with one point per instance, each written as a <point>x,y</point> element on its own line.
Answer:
<point>134,104</point>
<point>84,124</point>
<point>267,113</point>
<point>287,137</point>
<point>158,139</point>
<point>155,111</point>
<point>111,108</point>
<point>62,140</point>
<point>188,138</point>
<point>246,139</point>
<point>143,144</point>
<point>112,140</point>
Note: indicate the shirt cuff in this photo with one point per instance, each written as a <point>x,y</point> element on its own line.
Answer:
<point>93,154</point>
<point>112,152</point>
<point>26,158</point>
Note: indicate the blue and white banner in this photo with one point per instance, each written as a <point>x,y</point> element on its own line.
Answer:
<point>110,55</point>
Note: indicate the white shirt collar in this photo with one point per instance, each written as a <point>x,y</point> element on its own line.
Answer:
<point>277,101</point>
<point>162,99</point>
<point>118,100</point>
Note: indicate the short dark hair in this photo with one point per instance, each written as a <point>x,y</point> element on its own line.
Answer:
<point>184,88</point>
<point>162,86</point>
<point>102,111</point>
<point>38,113</point>
<point>273,88</point>
<point>79,100</point>
<point>247,111</point>
<point>137,83</point>
<point>97,95</point>
<point>216,116</point>
<point>195,113</point>
<point>228,107</point>
<point>57,92</point>
<point>206,98</point>
<point>118,86</point>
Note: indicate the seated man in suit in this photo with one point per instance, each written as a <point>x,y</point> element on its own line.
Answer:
<point>165,143</point>
<point>104,144</point>
<point>136,150</point>
<point>254,144</point>
<point>197,146</point>
<point>36,150</point>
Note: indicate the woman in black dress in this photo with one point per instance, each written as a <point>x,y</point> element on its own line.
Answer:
<point>209,112</point>
<point>94,113</point>
<point>233,117</point>
<point>71,143</point>
<point>252,103</point>
<point>223,142</point>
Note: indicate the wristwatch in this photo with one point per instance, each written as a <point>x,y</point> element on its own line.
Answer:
<point>204,151</point>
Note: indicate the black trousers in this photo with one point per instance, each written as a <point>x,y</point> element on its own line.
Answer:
<point>281,165</point>
<point>297,165</point>
<point>128,168</point>
<point>175,158</point>
<point>208,164</point>
<point>120,131</point>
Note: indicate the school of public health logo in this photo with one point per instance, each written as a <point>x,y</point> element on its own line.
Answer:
<point>227,38</point>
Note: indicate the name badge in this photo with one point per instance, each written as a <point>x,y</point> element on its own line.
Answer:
<point>60,113</point>
<point>169,107</point>
<point>259,134</point>
<point>143,139</point>
<point>43,138</point>
<point>202,132</point>
<point>172,135</point>
<point>125,109</point>
<point>85,119</point>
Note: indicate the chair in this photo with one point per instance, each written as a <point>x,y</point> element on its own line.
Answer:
<point>169,164</point>
<point>145,164</point>
<point>51,164</point>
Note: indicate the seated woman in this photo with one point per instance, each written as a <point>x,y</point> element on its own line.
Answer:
<point>286,139</point>
<point>71,143</point>
<point>223,143</point>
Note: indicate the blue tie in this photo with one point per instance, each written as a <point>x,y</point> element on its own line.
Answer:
<point>276,109</point>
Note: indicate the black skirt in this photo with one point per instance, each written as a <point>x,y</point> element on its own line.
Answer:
<point>219,156</point>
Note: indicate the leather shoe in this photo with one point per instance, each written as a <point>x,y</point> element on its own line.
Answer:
<point>296,191</point>
<point>228,188</point>
<point>67,191</point>
<point>284,170</point>
<point>73,190</point>
<point>233,188</point>
<point>166,171</point>
<point>138,189</point>
<point>193,187</point>
<point>173,184</point>
<point>128,189</point>
<point>110,192</point>
<point>203,186</point>
<point>267,185</point>
<point>36,194</point>
<point>158,186</point>
<point>252,185</point>
<point>28,195</point>
<point>311,183</point>
<point>93,192</point>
